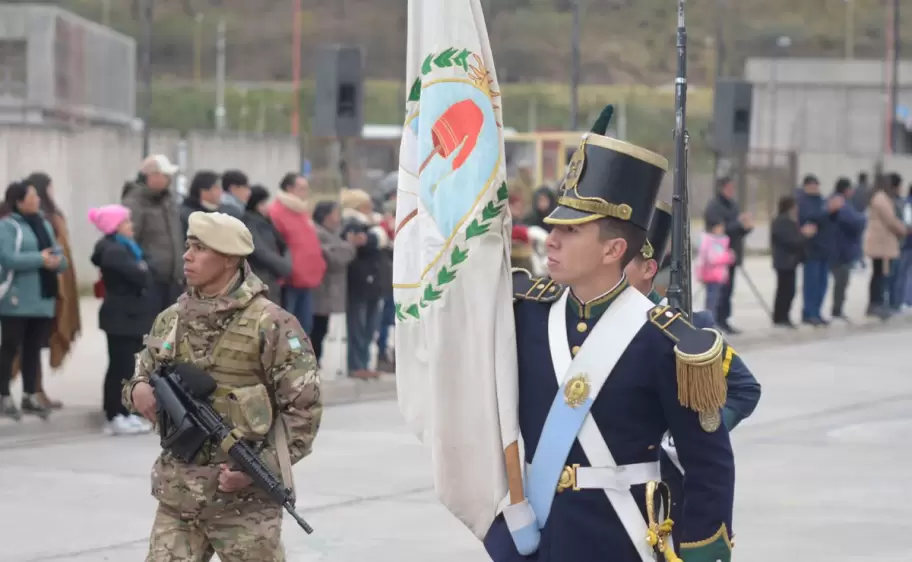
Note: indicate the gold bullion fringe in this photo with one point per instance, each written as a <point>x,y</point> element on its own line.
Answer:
<point>701,379</point>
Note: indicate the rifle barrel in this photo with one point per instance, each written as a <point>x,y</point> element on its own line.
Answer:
<point>679,293</point>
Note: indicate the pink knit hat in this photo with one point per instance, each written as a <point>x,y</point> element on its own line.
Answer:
<point>108,218</point>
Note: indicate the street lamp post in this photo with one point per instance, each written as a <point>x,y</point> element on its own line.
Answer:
<point>296,68</point>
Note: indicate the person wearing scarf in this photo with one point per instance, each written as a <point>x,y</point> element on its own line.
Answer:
<point>30,260</point>
<point>126,313</point>
<point>66,324</point>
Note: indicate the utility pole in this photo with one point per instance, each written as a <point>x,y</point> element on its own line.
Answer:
<point>850,29</point>
<point>146,71</point>
<point>220,78</point>
<point>575,64</point>
<point>721,17</point>
<point>106,13</point>
<point>198,51</point>
<point>720,69</point>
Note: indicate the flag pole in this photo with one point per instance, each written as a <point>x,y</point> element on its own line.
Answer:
<point>514,473</point>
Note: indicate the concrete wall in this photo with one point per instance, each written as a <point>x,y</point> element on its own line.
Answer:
<point>264,158</point>
<point>90,166</point>
<point>821,105</point>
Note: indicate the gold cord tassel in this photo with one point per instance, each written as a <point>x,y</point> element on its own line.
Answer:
<point>701,379</point>
<point>658,534</point>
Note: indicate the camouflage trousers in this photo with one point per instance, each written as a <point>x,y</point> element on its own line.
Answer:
<point>250,533</point>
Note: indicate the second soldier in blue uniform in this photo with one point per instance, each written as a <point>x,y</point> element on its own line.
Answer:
<point>604,373</point>
<point>743,388</point>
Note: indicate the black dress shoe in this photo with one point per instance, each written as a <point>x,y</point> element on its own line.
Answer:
<point>728,329</point>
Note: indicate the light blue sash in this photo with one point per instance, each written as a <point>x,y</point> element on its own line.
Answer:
<point>582,380</point>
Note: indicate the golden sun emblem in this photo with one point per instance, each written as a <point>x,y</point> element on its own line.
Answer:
<point>576,390</point>
<point>482,79</point>
<point>574,170</point>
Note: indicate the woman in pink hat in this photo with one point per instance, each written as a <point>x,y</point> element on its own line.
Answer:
<point>126,314</point>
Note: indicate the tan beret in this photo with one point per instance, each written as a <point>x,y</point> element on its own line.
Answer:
<point>223,233</point>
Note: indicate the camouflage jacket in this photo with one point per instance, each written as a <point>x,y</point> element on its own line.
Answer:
<point>285,364</point>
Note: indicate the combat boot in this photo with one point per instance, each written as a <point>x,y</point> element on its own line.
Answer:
<point>31,405</point>
<point>8,408</point>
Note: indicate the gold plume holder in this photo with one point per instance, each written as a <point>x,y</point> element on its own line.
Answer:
<point>658,535</point>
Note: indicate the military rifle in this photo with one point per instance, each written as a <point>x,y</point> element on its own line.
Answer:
<point>679,281</point>
<point>187,422</point>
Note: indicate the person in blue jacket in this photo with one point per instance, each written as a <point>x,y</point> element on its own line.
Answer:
<point>846,230</point>
<point>743,388</point>
<point>813,208</point>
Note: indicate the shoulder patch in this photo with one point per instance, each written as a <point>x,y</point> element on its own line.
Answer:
<point>538,289</point>
<point>690,339</point>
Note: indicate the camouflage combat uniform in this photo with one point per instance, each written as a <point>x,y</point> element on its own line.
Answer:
<point>252,348</point>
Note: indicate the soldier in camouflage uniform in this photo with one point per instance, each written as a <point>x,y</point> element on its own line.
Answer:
<point>268,388</point>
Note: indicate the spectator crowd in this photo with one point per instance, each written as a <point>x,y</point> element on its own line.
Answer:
<point>325,257</point>
<point>823,235</point>
<point>317,258</point>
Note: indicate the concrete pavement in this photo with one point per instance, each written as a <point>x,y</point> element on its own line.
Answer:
<point>79,383</point>
<point>820,468</point>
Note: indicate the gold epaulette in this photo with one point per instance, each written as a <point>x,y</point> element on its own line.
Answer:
<point>700,364</point>
<point>538,289</point>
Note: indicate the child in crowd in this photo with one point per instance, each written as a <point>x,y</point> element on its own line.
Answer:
<point>713,260</point>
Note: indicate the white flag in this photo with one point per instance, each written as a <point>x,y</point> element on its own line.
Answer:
<point>455,338</point>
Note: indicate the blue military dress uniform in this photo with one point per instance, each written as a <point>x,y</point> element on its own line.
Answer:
<point>592,415</point>
<point>743,390</point>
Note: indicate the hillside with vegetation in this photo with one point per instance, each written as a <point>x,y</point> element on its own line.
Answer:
<point>628,54</point>
<point>624,41</point>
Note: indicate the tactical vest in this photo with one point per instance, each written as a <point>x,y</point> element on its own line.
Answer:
<point>242,396</point>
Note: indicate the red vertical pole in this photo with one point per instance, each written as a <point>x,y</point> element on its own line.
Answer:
<point>296,69</point>
<point>890,71</point>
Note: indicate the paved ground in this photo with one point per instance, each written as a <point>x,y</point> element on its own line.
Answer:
<point>820,469</point>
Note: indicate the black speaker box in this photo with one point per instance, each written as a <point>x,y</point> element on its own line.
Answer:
<point>339,92</point>
<point>732,116</point>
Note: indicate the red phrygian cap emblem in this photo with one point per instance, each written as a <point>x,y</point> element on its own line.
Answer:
<point>460,124</point>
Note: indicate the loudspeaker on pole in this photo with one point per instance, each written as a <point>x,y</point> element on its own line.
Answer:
<point>732,117</point>
<point>339,92</point>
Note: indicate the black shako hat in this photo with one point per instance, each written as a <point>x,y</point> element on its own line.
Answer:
<point>659,233</point>
<point>607,177</point>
